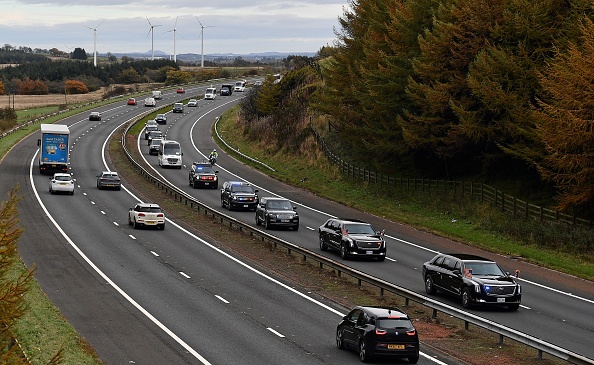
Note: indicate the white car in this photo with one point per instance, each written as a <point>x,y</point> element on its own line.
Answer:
<point>210,93</point>
<point>150,102</point>
<point>61,182</point>
<point>192,103</point>
<point>146,214</point>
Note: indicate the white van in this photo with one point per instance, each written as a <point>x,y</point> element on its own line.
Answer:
<point>170,154</point>
<point>157,95</point>
<point>210,93</point>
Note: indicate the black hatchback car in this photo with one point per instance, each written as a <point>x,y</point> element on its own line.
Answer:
<point>378,331</point>
<point>239,195</point>
<point>202,174</point>
<point>277,212</point>
<point>353,238</point>
<point>473,279</point>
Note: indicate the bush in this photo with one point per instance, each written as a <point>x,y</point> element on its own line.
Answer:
<point>75,87</point>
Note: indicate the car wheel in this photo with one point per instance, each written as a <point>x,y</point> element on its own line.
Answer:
<point>381,258</point>
<point>266,223</point>
<point>222,203</point>
<point>364,354</point>
<point>323,246</point>
<point>296,227</point>
<point>466,298</point>
<point>135,225</point>
<point>51,190</point>
<point>129,221</point>
<point>414,359</point>
<point>429,287</point>
<point>339,339</point>
<point>257,220</point>
<point>513,307</point>
<point>195,185</point>
<point>343,251</point>
<point>72,192</point>
<point>162,226</point>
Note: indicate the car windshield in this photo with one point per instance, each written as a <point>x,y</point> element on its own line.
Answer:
<point>242,189</point>
<point>204,169</point>
<point>483,268</point>
<point>279,204</point>
<point>359,229</point>
<point>393,323</point>
<point>171,149</point>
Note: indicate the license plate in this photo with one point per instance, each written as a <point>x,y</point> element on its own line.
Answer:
<point>150,222</point>
<point>206,183</point>
<point>285,220</point>
<point>396,347</point>
<point>369,252</point>
<point>245,205</point>
<point>500,300</point>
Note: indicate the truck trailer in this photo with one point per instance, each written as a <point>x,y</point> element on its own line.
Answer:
<point>54,146</point>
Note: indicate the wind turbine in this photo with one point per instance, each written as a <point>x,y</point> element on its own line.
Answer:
<point>202,39</point>
<point>95,42</point>
<point>174,30</point>
<point>152,37</point>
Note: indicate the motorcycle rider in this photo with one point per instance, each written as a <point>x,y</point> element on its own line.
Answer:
<point>213,156</point>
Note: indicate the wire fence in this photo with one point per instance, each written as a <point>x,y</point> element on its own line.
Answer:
<point>474,190</point>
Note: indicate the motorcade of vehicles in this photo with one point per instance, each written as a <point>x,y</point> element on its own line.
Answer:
<point>374,331</point>
<point>61,183</point>
<point>170,154</point>
<point>239,195</point>
<point>157,95</point>
<point>150,102</point>
<point>150,127</point>
<point>146,215</point>
<point>277,212</point>
<point>192,103</point>
<point>161,119</point>
<point>178,108</point>
<point>154,134</point>
<point>180,90</point>
<point>131,101</point>
<point>226,90</point>
<point>239,86</point>
<point>210,93</point>
<point>473,279</point>
<point>202,174</point>
<point>155,146</point>
<point>352,238</point>
<point>109,179</point>
<point>54,146</point>
<point>95,116</point>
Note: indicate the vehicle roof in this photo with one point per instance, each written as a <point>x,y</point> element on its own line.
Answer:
<point>384,312</point>
<point>54,128</point>
<point>156,140</point>
<point>95,113</point>
<point>467,257</point>
<point>61,174</point>
<point>148,205</point>
<point>275,198</point>
<point>239,183</point>
<point>109,172</point>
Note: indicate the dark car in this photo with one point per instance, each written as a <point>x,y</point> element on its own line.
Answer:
<point>109,179</point>
<point>154,134</point>
<point>149,128</point>
<point>155,146</point>
<point>239,195</point>
<point>473,279</point>
<point>353,238</point>
<point>178,108</point>
<point>161,119</point>
<point>203,175</point>
<point>95,116</point>
<point>378,331</point>
<point>277,212</point>
<point>226,90</point>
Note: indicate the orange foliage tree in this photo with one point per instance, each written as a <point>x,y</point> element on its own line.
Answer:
<point>1,88</point>
<point>30,87</point>
<point>75,87</point>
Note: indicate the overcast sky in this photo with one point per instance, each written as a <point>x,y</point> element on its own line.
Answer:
<point>231,26</point>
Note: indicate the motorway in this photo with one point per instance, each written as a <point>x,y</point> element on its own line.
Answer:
<point>157,297</point>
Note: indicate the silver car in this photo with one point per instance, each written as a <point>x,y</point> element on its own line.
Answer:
<point>109,179</point>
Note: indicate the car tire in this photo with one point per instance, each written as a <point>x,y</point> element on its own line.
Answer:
<point>129,221</point>
<point>323,246</point>
<point>195,185</point>
<point>429,286</point>
<point>72,192</point>
<point>381,258</point>
<point>513,307</point>
<point>339,339</point>
<point>466,298</point>
<point>414,359</point>
<point>266,223</point>
<point>51,190</point>
<point>296,227</point>
<point>364,354</point>
<point>162,227</point>
<point>343,251</point>
<point>257,220</point>
<point>135,225</point>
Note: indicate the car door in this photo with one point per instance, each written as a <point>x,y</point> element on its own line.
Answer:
<point>436,271</point>
<point>349,333</point>
<point>260,210</point>
<point>449,278</point>
<point>325,232</point>
<point>335,235</point>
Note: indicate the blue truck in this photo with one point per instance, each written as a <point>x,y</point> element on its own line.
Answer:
<point>54,146</point>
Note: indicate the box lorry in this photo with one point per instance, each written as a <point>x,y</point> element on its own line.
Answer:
<point>157,95</point>
<point>54,147</point>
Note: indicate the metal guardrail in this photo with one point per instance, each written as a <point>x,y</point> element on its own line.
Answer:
<point>324,262</point>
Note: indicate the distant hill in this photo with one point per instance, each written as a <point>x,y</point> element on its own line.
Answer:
<point>189,57</point>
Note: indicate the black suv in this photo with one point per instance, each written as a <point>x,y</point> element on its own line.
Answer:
<point>203,175</point>
<point>473,279</point>
<point>161,119</point>
<point>353,238</point>
<point>378,331</point>
<point>238,194</point>
<point>154,134</point>
<point>149,128</point>
<point>278,212</point>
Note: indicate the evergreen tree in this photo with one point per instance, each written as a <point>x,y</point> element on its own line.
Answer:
<point>79,54</point>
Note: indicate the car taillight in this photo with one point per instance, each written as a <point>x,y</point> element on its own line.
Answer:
<point>411,332</point>
<point>141,214</point>
<point>380,332</point>
<point>160,215</point>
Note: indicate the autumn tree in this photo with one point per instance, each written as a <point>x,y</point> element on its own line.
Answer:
<point>175,77</point>
<point>566,121</point>
<point>75,87</point>
<point>129,76</point>
<point>12,290</point>
<point>1,88</point>
<point>30,87</point>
